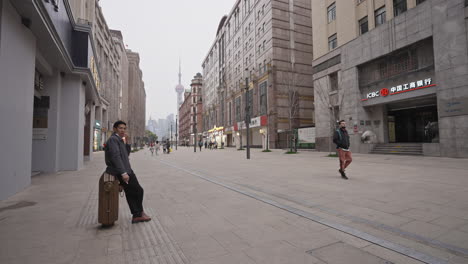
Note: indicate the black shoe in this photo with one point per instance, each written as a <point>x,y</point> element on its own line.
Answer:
<point>343,174</point>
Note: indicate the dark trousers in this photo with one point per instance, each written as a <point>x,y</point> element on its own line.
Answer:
<point>134,194</point>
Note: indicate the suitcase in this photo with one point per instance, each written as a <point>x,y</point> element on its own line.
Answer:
<point>108,210</point>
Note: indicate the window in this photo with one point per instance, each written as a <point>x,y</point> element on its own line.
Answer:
<point>380,16</point>
<point>238,109</point>
<point>333,81</point>
<point>331,11</point>
<point>363,26</point>
<point>332,42</point>
<point>263,98</point>
<point>399,7</point>
<point>360,1</point>
<point>419,1</point>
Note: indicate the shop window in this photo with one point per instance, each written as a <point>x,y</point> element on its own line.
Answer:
<point>332,42</point>
<point>333,81</point>
<point>380,16</point>
<point>331,12</point>
<point>399,7</point>
<point>363,26</point>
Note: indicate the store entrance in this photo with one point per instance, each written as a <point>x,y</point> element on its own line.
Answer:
<point>415,124</point>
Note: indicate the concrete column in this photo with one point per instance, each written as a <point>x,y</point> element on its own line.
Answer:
<point>17,60</point>
<point>72,118</point>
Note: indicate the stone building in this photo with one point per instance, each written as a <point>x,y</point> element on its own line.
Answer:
<point>262,49</point>
<point>136,99</point>
<point>191,113</point>
<point>396,71</point>
<point>49,90</point>
<point>185,128</point>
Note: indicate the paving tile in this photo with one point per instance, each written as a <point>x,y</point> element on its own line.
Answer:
<point>347,254</point>
<point>455,237</point>
<point>280,252</point>
<point>389,255</point>
<point>450,222</point>
<point>426,229</point>
<point>205,247</point>
<point>422,215</point>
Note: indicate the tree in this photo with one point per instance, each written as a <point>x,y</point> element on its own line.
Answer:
<point>151,137</point>
<point>332,101</point>
<point>291,80</point>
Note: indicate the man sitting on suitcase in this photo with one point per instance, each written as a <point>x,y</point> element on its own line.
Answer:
<point>117,151</point>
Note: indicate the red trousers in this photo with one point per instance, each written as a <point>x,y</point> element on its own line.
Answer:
<point>345,158</point>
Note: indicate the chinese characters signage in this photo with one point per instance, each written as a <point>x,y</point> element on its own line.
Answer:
<point>402,88</point>
<point>95,73</point>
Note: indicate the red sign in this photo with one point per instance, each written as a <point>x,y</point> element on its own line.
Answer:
<point>263,120</point>
<point>384,92</point>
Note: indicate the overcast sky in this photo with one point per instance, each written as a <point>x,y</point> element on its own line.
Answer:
<point>161,32</point>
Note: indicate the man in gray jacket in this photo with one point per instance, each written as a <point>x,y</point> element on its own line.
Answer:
<point>117,152</point>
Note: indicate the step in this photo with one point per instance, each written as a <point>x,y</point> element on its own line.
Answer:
<point>398,153</point>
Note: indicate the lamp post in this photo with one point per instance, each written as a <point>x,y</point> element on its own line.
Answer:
<point>195,132</point>
<point>170,140</point>
<point>176,122</point>
<point>247,111</point>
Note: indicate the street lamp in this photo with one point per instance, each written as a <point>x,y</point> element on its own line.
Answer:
<point>195,130</point>
<point>247,110</point>
<point>176,122</point>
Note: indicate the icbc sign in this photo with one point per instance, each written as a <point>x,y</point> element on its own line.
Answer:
<point>407,87</point>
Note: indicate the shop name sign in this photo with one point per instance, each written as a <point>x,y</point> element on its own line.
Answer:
<point>402,88</point>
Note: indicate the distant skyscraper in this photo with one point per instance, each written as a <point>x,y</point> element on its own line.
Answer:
<point>179,90</point>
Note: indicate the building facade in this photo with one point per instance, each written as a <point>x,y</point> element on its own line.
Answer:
<point>261,58</point>
<point>395,70</point>
<point>136,99</point>
<point>184,117</point>
<point>191,113</point>
<point>49,90</point>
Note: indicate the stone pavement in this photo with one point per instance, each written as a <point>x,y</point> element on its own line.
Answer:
<point>218,207</point>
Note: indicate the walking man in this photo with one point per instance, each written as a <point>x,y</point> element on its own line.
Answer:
<point>341,139</point>
<point>116,154</point>
<point>200,144</point>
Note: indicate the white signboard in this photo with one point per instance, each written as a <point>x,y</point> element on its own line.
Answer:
<point>39,133</point>
<point>306,135</point>
<point>254,122</point>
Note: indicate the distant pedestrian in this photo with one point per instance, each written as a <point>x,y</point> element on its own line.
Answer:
<point>200,144</point>
<point>152,150</point>
<point>206,144</point>
<point>118,164</point>
<point>156,147</point>
<point>168,147</point>
<point>341,139</point>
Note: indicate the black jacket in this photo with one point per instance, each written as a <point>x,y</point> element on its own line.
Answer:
<point>117,153</point>
<point>341,138</point>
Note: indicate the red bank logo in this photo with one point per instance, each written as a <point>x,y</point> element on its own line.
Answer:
<point>384,92</point>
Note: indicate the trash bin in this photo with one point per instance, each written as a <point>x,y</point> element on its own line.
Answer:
<point>108,210</point>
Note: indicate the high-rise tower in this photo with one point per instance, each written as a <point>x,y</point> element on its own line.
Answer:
<point>179,90</point>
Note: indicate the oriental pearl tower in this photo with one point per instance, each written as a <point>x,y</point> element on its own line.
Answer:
<point>179,90</point>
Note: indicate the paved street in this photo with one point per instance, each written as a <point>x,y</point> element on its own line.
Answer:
<point>218,207</point>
